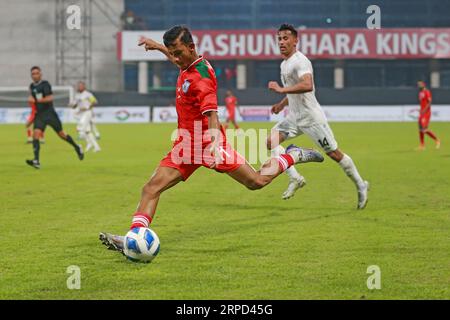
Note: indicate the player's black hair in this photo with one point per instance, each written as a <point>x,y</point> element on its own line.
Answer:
<point>290,27</point>
<point>176,32</point>
<point>35,68</point>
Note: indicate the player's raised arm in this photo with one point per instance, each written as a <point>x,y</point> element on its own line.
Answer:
<point>304,84</point>
<point>150,44</point>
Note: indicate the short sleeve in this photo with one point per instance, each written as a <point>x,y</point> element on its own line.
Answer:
<point>92,98</point>
<point>428,95</point>
<point>304,67</point>
<point>47,89</point>
<point>205,90</point>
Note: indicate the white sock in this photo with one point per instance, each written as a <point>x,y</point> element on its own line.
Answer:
<point>95,130</point>
<point>88,142</point>
<point>350,170</point>
<point>91,139</point>
<point>292,171</point>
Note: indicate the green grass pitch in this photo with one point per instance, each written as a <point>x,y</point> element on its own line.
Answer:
<point>218,239</point>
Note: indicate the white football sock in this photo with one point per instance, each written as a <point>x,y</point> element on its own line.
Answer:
<point>91,140</point>
<point>95,130</point>
<point>292,171</point>
<point>350,170</point>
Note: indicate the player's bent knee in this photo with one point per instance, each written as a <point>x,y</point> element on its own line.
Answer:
<point>256,184</point>
<point>62,135</point>
<point>336,155</point>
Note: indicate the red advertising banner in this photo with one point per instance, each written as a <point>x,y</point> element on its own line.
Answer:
<point>314,43</point>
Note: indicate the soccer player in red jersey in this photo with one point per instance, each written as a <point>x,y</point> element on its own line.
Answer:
<point>231,104</point>
<point>201,140</point>
<point>29,122</point>
<point>425,115</point>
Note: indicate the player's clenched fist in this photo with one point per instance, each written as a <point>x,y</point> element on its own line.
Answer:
<point>216,153</point>
<point>277,108</point>
<point>274,86</point>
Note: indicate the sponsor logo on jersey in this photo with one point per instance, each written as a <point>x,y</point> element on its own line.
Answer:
<point>185,86</point>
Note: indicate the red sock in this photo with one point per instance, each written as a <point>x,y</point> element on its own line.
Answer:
<point>431,134</point>
<point>285,161</point>
<point>422,140</point>
<point>140,220</point>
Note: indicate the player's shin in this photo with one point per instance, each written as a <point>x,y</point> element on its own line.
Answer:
<point>36,149</point>
<point>422,138</point>
<point>277,165</point>
<point>92,141</point>
<point>291,171</point>
<point>431,135</point>
<point>29,135</point>
<point>70,140</point>
<point>350,170</point>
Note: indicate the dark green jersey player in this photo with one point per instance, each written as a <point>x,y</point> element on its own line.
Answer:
<point>42,96</point>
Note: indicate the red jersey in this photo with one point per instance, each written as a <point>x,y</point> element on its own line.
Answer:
<point>425,99</point>
<point>33,107</point>
<point>196,94</point>
<point>230,103</point>
<point>32,113</point>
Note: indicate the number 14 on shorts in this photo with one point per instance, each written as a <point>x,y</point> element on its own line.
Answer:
<point>324,143</point>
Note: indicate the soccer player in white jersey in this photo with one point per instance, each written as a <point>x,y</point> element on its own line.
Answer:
<point>305,116</point>
<point>84,103</point>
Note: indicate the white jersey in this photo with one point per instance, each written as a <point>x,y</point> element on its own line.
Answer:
<point>83,101</point>
<point>304,107</point>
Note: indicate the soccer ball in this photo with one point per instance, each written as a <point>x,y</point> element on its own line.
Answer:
<point>141,245</point>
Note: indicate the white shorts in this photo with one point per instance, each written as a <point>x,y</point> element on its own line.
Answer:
<point>84,125</point>
<point>320,133</point>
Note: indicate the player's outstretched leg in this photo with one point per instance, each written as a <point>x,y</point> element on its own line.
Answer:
<point>273,167</point>
<point>350,170</point>
<point>95,131</point>
<point>69,140</point>
<point>163,179</point>
<point>296,180</point>
<point>91,142</point>
<point>434,137</point>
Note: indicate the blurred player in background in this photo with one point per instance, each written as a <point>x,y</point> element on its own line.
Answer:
<point>196,104</point>
<point>305,115</point>
<point>42,96</point>
<point>94,128</point>
<point>231,104</point>
<point>84,103</point>
<point>29,122</point>
<point>425,116</point>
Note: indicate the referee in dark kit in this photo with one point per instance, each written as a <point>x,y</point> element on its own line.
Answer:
<point>41,95</point>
